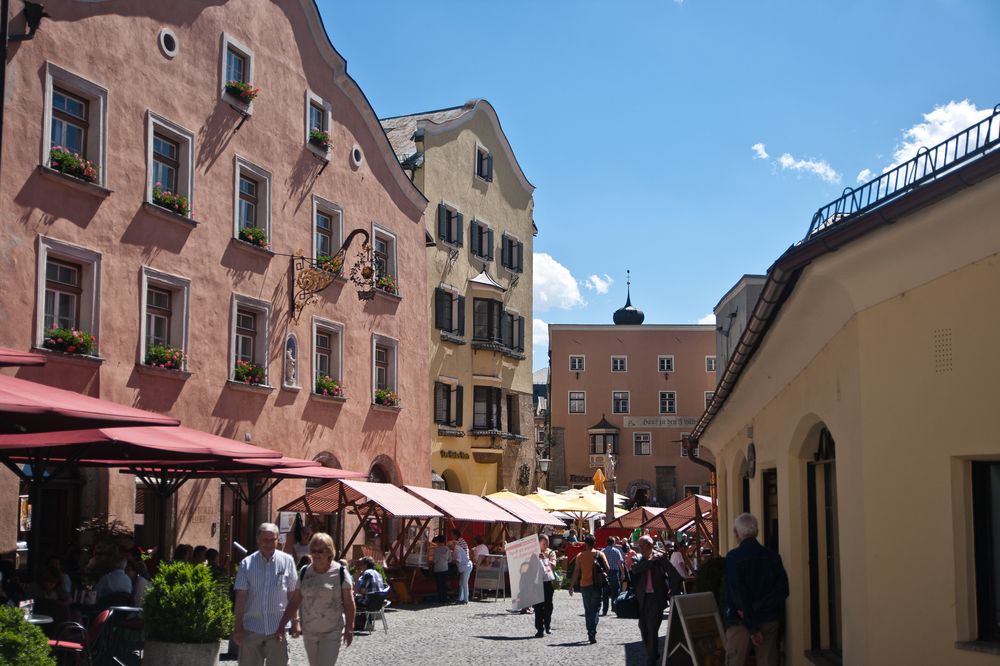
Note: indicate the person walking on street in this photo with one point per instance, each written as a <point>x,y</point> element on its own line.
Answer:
<point>543,610</point>
<point>464,565</point>
<point>265,583</point>
<point>616,573</point>
<point>325,600</point>
<point>591,573</point>
<point>655,580</point>
<point>756,589</point>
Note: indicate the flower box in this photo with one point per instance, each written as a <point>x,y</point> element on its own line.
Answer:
<point>69,340</point>
<point>255,236</point>
<point>172,201</point>
<point>386,398</point>
<point>242,91</point>
<point>248,373</point>
<point>319,138</point>
<point>334,264</point>
<point>387,283</point>
<point>72,164</point>
<point>327,386</point>
<point>165,357</point>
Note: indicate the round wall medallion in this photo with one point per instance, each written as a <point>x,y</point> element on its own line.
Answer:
<point>357,157</point>
<point>751,460</point>
<point>169,45</point>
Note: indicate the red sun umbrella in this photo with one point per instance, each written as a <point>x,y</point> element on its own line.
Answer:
<point>15,357</point>
<point>32,407</point>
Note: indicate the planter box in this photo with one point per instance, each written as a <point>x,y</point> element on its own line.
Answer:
<point>156,653</point>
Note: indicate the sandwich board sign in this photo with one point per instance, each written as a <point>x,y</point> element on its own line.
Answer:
<point>694,632</point>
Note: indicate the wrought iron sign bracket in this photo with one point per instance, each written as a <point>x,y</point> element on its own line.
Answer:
<point>312,276</point>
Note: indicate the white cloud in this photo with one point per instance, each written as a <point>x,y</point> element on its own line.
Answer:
<point>864,175</point>
<point>708,319</point>
<point>539,333</point>
<point>555,286</point>
<point>599,284</point>
<point>758,151</point>
<point>816,167</point>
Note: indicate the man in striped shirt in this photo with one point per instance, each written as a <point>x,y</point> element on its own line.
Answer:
<point>264,584</point>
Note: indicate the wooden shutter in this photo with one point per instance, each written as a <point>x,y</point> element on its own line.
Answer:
<point>459,229</point>
<point>443,230</point>
<point>489,244</point>
<point>505,252</point>
<point>507,332</point>
<point>520,334</point>
<point>440,402</point>
<point>442,309</point>
<point>489,167</point>
<point>458,406</point>
<point>461,315</point>
<point>475,236</point>
<point>520,257</point>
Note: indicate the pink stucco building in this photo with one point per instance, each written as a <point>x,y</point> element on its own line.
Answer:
<point>629,389</point>
<point>140,90</point>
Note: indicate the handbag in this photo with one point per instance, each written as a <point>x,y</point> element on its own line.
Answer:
<point>600,573</point>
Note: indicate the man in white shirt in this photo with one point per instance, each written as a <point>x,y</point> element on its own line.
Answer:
<point>677,559</point>
<point>265,582</point>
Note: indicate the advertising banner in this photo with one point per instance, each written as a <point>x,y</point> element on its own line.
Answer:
<point>525,573</point>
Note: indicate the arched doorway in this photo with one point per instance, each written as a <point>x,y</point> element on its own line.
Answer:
<point>639,491</point>
<point>823,543</point>
<point>451,481</point>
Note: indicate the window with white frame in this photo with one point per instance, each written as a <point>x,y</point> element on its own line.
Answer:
<point>450,224</point>
<point>165,309</point>
<point>481,240</point>
<point>708,398</point>
<point>328,226</point>
<point>668,402</point>
<point>576,363</point>
<point>484,163</point>
<point>75,117</point>
<point>327,350</point>
<point>237,67</point>
<point>512,254</point>
<point>709,364</point>
<point>384,251</point>
<point>665,363</point>
<point>250,335</point>
<point>448,400</point>
<point>619,364</point>
<point>577,402</point>
<point>642,443</point>
<point>619,402</point>
<point>170,165</point>
<point>385,360</point>
<point>318,117</point>
<point>252,204</point>
<point>449,311</point>
<point>540,436</point>
<point>69,282</point>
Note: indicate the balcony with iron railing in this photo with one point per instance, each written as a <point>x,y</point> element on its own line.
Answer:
<point>927,165</point>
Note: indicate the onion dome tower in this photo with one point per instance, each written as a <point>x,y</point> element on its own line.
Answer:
<point>628,315</point>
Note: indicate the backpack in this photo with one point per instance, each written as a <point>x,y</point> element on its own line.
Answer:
<point>600,573</point>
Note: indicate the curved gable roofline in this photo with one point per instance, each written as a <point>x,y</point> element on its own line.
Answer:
<point>354,92</point>
<point>482,106</point>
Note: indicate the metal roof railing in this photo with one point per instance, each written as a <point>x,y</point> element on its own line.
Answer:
<point>928,164</point>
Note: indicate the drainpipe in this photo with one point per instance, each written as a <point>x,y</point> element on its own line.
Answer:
<point>689,446</point>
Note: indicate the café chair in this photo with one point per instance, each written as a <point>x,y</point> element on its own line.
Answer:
<point>368,617</point>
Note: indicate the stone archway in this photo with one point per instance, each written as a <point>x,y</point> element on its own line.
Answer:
<point>640,491</point>
<point>383,470</point>
<point>451,481</point>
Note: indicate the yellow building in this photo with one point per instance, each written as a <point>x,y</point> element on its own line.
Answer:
<point>855,417</point>
<point>479,234</point>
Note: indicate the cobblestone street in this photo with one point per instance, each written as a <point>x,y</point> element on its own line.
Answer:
<point>483,633</point>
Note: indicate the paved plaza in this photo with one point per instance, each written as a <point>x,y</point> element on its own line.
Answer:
<point>483,633</point>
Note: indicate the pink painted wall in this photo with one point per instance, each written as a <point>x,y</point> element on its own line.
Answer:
<point>115,45</point>
<point>689,345</point>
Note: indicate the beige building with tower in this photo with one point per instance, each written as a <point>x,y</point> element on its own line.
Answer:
<point>856,417</point>
<point>479,233</point>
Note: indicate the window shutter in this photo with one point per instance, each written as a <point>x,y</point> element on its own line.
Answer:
<point>475,238</point>
<point>461,316</point>
<point>489,167</point>
<point>505,252</point>
<point>458,405</point>
<point>459,229</point>
<point>489,244</point>
<point>443,222</point>
<point>520,334</point>
<point>507,333</point>
<point>442,309</point>
<point>440,406</point>
<point>520,257</point>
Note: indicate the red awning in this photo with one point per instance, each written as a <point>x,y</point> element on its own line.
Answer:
<point>39,408</point>
<point>526,511</point>
<point>636,517</point>
<point>14,357</point>
<point>389,499</point>
<point>319,472</point>
<point>680,515</point>
<point>460,506</point>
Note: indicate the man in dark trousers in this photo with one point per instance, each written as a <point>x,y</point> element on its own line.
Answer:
<point>756,589</point>
<point>655,580</point>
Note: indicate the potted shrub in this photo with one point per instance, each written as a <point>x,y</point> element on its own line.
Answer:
<point>386,397</point>
<point>72,164</point>
<point>175,203</point>
<point>69,340</point>
<point>248,373</point>
<point>325,385</point>
<point>166,357</point>
<point>319,138</point>
<point>334,264</point>
<point>254,236</point>
<point>386,283</point>
<point>242,91</point>
<point>186,613</point>
<point>22,643</point>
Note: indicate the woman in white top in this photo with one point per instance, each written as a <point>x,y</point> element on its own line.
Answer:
<point>325,601</point>
<point>300,548</point>
<point>464,564</point>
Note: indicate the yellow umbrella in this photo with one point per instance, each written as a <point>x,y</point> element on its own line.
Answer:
<point>599,480</point>
<point>560,503</point>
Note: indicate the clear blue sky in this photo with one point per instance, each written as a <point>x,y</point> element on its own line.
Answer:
<point>636,121</point>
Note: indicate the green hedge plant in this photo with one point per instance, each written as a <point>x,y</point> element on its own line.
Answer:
<point>186,604</point>
<point>22,643</point>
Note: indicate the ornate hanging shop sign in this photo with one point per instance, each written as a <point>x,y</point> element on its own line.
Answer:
<point>313,275</point>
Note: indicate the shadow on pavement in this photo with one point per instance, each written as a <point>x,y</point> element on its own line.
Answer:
<point>505,638</point>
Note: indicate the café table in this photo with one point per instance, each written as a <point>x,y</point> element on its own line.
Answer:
<point>38,618</point>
